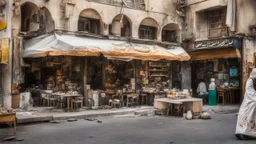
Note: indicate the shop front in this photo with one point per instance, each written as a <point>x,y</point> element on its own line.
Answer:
<point>68,71</point>
<point>218,62</point>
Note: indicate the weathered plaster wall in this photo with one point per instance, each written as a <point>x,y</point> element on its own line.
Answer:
<point>7,69</point>
<point>196,21</point>
<point>161,10</point>
<point>246,10</point>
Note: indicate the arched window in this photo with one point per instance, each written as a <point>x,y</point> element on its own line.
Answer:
<point>35,19</point>
<point>29,17</point>
<point>121,26</point>
<point>90,21</point>
<point>148,29</point>
<point>170,33</point>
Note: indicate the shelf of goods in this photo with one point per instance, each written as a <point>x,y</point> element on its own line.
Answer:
<point>159,69</point>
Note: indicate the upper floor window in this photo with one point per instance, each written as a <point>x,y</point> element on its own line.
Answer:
<point>170,33</point>
<point>217,23</point>
<point>121,26</point>
<point>148,29</point>
<point>89,21</point>
<point>35,20</point>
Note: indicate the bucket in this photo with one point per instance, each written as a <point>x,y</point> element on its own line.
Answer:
<point>58,72</point>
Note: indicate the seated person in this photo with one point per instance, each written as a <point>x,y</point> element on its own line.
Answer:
<point>202,91</point>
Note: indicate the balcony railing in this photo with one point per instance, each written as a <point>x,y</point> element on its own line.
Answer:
<point>135,4</point>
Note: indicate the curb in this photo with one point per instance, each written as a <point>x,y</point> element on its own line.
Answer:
<point>34,119</point>
<point>38,119</point>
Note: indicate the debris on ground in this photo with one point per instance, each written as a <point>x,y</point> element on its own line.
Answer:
<point>19,139</point>
<point>205,115</point>
<point>93,119</point>
<point>9,138</point>
<point>71,120</point>
<point>90,119</point>
<point>54,121</point>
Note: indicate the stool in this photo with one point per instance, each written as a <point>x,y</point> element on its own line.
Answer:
<point>221,94</point>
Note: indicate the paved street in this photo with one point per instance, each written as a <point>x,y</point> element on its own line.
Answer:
<point>133,130</point>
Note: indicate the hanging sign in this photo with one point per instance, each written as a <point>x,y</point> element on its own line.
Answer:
<point>3,22</point>
<point>4,47</point>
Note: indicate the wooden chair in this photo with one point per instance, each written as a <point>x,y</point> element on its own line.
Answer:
<point>221,93</point>
<point>117,100</point>
<point>77,101</point>
<point>61,102</point>
<point>230,97</point>
<point>129,100</point>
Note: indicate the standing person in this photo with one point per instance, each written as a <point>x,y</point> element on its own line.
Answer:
<point>202,91</point>
<point>246,121</point>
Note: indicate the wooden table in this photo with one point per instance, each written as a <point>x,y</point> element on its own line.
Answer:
<point>193,104</point>
<point>9,118</point>
<point>152,96</point>
<point>68,97</point>
<point>226,90</point>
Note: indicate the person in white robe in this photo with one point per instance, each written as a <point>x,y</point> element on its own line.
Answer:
<point>202,91</point>
<point>246,121</point>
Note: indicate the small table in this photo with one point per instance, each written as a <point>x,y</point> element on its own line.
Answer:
<point>152,96</point>
<point>193,104</point>
<point>226,90</point>
<point>69,97</point>
<point>9,118</point>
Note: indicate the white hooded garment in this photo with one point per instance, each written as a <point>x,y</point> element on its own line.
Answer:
<point>246,122</point>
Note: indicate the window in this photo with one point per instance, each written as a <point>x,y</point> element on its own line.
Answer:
<point>89,25</point>
<point>217,23</point>
<point>169,36</point>
<point>147,32</point>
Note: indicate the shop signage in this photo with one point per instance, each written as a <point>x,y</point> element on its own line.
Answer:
<point>3,23</point>
<point>216,43</point>
<point>4,48</point>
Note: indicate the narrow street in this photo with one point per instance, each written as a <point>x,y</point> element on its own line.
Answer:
<point>132,130</point>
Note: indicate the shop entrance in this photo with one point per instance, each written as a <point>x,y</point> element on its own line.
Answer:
<point>94,73</point>
<point>226,73</point>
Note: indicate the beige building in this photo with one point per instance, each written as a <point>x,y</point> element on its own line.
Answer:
<point>154,21</point>
<point>220,33</point>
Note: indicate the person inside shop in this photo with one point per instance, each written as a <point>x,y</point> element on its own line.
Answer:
<point>202,91</point>
<point>246,121</point>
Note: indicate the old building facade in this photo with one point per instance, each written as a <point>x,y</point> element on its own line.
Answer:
<point>155,21</point>
<point>218,32</point>
<point>209,30</point>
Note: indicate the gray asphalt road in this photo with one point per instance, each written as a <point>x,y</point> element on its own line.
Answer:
<point>133,130</point>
